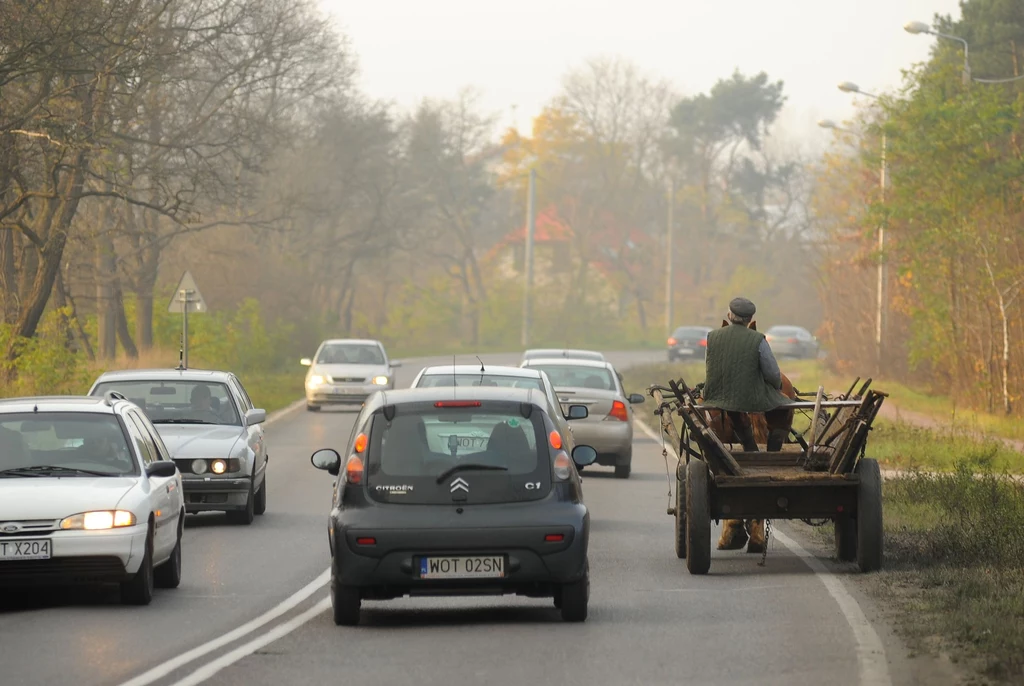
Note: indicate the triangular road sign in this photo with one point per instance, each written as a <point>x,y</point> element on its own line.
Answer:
<point>187,290</point>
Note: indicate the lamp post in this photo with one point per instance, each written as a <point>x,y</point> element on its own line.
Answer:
<point>880,310</point>
<point>669,258</point>
<point>531,221</point>
<point>917,27</point>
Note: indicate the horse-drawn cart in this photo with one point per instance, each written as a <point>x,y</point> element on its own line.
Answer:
<point>820,474</point>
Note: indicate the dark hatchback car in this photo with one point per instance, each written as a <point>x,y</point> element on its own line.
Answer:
<point>445,494</point>
<point>688,343</point>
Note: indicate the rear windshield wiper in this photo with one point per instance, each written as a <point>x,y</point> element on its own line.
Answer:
<point>180,421</point>
<point>465,467</point>
<point>43,470</point>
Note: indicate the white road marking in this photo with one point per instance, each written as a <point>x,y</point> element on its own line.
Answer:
<point>874,668</point>
<point>165,668</point>
<point>211,668</point>
<point>284,411</point>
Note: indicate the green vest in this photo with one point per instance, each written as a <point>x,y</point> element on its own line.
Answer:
<point>733,379</point>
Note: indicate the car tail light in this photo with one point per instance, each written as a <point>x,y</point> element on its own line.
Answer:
<point>361,441</point>
<point>354,470</point>
<point>618,411</point>
<point>366,540</point>
<point>457,403</point>
<point>556,440</point>
<point>554,538</point>
<point>672,341</point>
<point>563,466</point>
<point>791,340</point>
<point>704,343</point>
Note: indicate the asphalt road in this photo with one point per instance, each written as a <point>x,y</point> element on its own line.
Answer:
<point>793,621</point>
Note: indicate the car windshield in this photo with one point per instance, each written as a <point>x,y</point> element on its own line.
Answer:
<point>350,353</point>
<point>177,401</point>
<point>65,444</point>
<point>578,376</point>
<point>420,455</point>
<point>440,380</point>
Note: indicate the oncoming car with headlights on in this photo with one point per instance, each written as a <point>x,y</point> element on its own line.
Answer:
<point>346,371</point>
<point>422,508</point>
<point>88,495</point>
<point>214,433</point>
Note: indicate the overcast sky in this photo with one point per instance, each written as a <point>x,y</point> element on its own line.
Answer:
<point>516,53</point>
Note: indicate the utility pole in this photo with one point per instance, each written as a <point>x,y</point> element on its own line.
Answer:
<point>528,256</point>
<point>880,304</point>
<point>669,255</point>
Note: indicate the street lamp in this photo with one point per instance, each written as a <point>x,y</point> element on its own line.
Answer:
<point>850,87</point>
<point>917,27</point>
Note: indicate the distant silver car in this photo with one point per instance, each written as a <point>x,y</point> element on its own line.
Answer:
<point>596,385</point>
<point>792,341</point>
<point>346,371</point>
<point>505,377</point>
<point>567,353</point>
<point>213,432</point>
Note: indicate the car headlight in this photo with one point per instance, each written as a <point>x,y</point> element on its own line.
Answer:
<point>101,519</point>
<point>317,380</point>
<point>199,466</point>
<point>380,381</point>
<point>218,466</point>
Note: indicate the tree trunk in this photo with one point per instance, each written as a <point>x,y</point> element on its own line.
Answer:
<point>106,310</point>
<point>121,321</point>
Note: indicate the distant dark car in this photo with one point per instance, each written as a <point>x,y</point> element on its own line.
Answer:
<point>792,341</point>
<point>688,343</point>
<point>458,491</point>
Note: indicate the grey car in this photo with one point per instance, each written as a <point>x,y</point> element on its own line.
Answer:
<point>346,371</point>
<point>213,432</point>
<point>423,509</point>
<point>609,427</point>
<point>792,341</point>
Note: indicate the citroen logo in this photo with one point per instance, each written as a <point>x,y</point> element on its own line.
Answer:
<point>11,528</point>
<point>459,484</point>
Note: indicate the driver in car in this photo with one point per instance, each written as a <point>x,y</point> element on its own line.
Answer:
<point>202,404</point>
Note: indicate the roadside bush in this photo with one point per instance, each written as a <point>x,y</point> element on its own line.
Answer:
<point>45,364</point>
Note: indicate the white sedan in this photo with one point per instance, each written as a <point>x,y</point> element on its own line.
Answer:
<point>88,495</point>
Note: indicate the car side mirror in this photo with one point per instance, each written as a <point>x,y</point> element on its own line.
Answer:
<point>578,412</point>
<point>584,455</point>
<point>161,468</point>
<point>306,362</point>
<point>636,399</point>
<point>327,459</point>
<point>255,417</point>
<point>396,363</point>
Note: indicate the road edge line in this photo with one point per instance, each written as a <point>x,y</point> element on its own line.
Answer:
<point>284,411</point>
<point>165,668</point>
<point>210,669</point>
<point>874,666</point>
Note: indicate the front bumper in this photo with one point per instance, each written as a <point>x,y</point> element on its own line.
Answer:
<point>390,568</point>
<point>348,394</point>
<point>79,557</point>
<point>613,440</point>
<point>208,493</point>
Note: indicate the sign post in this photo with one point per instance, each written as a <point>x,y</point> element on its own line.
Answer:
<point>186,298</point>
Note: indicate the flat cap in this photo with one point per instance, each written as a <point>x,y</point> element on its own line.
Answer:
<point>741,307</point>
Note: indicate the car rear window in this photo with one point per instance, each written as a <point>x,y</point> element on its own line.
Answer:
<point>494,380</point>
<point>65,440</point>
<point>502,455</point>
<point>577,376</point>
<point>690,332</point>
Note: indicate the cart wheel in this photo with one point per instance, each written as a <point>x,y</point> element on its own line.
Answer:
<point>680,517</point>
<point>846,538</point>
<point>698,518</point>
<point>869,516</point>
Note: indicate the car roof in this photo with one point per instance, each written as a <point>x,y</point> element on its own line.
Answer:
<point>568,353</point>
<point>59,403</point>
<point>569,361</point>
<point>786,327</point>
<point>701,327</point>
<point>165,375</point>
<point>361,341</point>
<point>474,370</point>
<point>421,395</point>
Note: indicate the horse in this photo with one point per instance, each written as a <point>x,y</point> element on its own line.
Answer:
<point>737,532</point>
